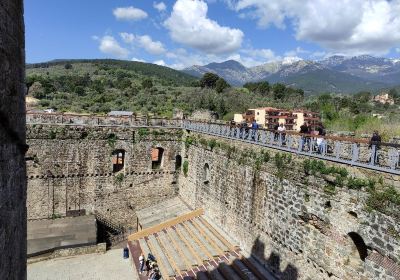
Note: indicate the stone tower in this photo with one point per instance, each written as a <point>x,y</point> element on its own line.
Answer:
<point>12,142</point>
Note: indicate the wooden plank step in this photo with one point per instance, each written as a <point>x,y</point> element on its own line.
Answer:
<point>162,260</point>
<point>172,254</point>
<point>207,231</point>
<point>195,232</point>
<point>193,243</point>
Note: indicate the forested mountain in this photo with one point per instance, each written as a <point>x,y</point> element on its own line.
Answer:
<point>335,74</point>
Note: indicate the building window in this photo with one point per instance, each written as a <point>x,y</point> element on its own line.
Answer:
<point>178,163</point>
<point>206,174</point>
<point>118,158</point>
<point>156,158</point>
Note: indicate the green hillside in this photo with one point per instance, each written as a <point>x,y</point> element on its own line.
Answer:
<point>99,86</point>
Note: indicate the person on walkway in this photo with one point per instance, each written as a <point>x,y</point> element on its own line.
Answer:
<point>374,144</point>
<point>276,135</point>
<point>321,142</point>
<point>141,263</point>
<point>148,267</point>
<point>254,128</point>
<point>305,130</point>
<point>281,130</point>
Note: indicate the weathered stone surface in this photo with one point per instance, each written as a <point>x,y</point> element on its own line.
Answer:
<point>12,142</point>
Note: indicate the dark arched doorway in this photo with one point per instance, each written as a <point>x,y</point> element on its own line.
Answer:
<point>178,163</point>
<point>359,247</point>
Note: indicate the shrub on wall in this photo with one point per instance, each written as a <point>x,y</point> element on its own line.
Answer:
<point>185,168</point>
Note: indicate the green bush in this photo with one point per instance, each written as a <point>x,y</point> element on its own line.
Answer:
<point>185,167</point>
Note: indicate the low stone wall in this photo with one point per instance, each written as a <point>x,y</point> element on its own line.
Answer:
<point>60,253</point>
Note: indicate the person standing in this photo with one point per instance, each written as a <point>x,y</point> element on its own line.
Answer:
<point>281,130</point>
<point>141,263</point>
<point>374,144</point>
<point>305,130</point>
<point>321,142</point>
<point>254,128</point>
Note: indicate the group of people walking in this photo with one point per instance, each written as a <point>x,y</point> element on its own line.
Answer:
<point>150,266</point>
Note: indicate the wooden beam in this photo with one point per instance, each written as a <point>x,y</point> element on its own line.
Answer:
<point>170,258</point>
<point>164,225</point>
<point>179,250</point>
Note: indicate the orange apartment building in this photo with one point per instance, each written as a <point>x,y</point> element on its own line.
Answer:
<point>269,117</point>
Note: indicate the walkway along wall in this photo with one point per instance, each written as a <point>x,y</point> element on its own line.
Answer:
<point>307,219</point>
<point>12,142</point>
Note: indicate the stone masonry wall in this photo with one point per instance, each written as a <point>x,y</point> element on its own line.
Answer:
<point>290,220</point>
<point>12,142</point>
<point>70,168</point>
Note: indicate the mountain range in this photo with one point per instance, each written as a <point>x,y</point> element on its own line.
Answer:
<point>337,74</point>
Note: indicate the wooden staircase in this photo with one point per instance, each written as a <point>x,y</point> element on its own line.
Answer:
<point>188,247</point>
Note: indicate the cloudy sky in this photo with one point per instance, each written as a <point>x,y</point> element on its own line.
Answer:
<point>181,33</point>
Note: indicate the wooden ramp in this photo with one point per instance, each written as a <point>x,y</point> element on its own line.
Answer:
<point>188,247</point>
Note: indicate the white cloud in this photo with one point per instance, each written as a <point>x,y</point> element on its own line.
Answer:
<point>189,25</point>
<point>160,62</point>
<point>127,37</point>
<point>152,47</point>
<point>129,13</point>
<point>161,7</point>
<point>296,52</point>
<point>352,27</point>
<point>109,45</point>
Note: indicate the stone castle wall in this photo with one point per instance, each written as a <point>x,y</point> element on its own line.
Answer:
<point>288,218</point>
<point>12,142</point>
<point>71,168</point>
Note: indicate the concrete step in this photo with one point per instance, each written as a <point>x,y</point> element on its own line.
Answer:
<point>209,223</point>
<point>145,248</point>
<point>209,247</point>
<point>162,259</point>
<point>258,269</point>
<point>201,275</point>
<point>192,243</point>
<point>214,274</point>
<point>197,236</point>
<point>209,238</point>
<point>215,238</point>
<point>241,269</point>
<point>180,246</point>
<point>228,272</point>
<point>171,253</point>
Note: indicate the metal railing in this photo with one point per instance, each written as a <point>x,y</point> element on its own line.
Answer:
<point>355,152</point>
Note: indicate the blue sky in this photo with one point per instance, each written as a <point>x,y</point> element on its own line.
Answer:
<point>180,33</point>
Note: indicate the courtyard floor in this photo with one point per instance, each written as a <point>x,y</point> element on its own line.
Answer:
<point>106,266</point>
